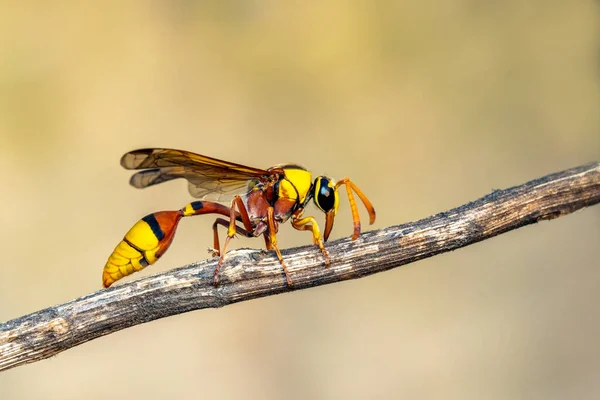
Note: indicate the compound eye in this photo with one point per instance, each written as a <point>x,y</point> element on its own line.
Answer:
<point>324,194</point>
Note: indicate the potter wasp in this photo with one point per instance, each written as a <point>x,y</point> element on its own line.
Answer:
<point>260,200</point>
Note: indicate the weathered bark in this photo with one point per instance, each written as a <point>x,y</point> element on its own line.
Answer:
<point>250,274</point>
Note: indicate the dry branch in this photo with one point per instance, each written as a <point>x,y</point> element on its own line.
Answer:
<point>250,274</point>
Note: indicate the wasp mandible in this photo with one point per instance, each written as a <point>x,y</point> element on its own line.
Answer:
<point>260,200</point>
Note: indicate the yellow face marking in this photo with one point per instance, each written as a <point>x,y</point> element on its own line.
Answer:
<point>300,179</point>
<point>336,202</point>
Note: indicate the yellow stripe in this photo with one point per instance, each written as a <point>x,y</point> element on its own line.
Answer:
<point>142,236</point>
<point>140,246</point>
<point>126,259</point>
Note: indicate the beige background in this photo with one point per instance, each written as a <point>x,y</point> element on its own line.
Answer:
<point>426,106</point>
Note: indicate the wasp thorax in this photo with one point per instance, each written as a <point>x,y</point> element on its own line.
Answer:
<point>325,195</point>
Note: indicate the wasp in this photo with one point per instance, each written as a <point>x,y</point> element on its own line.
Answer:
<point>259,201</point>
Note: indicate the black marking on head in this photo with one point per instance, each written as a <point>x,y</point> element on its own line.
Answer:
<point>155,226</point>
<point>324,195</point>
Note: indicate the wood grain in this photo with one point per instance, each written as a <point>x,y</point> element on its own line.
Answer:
<point>249,274</point>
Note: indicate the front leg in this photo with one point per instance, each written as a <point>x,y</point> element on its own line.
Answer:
<point>310,224</point>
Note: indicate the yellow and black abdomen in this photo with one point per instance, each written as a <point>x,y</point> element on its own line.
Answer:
<point>143,245</point>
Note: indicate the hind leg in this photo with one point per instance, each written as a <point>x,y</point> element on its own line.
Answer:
<point>248,231</point>
<point>217,252</point>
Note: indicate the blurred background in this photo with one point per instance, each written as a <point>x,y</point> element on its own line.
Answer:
<point>424,106</point>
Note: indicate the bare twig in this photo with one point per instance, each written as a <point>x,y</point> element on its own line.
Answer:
<point>250,274</point>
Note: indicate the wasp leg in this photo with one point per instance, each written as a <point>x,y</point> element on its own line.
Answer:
<point>207,207</point>
<point>268,244</point>
<point>310,224</point>
<point>273,240</point>
<point>232,229</point>
<point>355,216</point>
<point>224,222</point>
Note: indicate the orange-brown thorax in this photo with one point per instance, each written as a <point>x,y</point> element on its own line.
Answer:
<point>286,194</point>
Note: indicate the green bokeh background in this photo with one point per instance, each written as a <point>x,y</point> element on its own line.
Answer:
<point>425,105</point>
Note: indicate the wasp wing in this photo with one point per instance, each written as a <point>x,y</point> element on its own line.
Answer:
<point>208,177</point>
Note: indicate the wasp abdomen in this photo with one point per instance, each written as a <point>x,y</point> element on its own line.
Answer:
<point>143,245</point>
